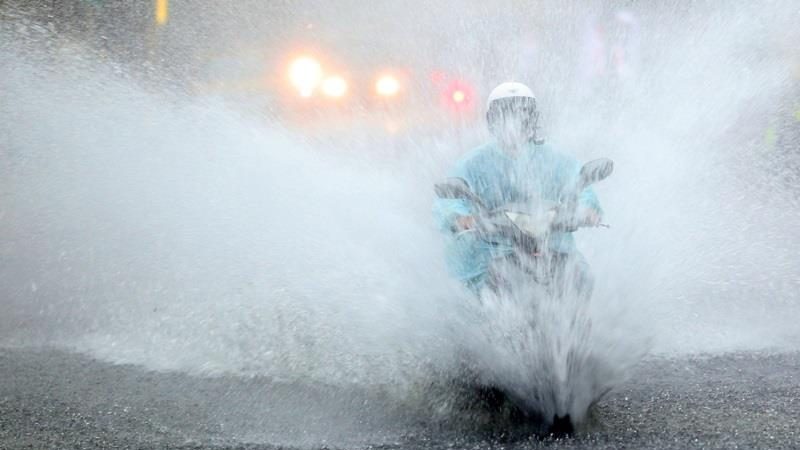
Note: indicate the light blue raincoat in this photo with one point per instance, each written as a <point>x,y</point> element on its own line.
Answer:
<point>537,172</point>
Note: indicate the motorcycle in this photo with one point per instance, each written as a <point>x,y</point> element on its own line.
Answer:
<point>523,230</point>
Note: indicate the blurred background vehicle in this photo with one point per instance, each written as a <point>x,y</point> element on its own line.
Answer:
<point>315,86</point>
<point>297,65</point>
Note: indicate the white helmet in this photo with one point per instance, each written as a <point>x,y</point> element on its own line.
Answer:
<point>509,89</point>
<point>513,102</point>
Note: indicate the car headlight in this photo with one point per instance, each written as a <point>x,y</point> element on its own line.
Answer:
<point>387,86</point>
<point>334,86</point>
<point>305,74</point>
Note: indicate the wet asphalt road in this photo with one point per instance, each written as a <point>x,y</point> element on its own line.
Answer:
<point>53,399</point>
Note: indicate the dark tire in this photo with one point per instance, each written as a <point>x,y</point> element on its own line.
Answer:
<point>562,426</point>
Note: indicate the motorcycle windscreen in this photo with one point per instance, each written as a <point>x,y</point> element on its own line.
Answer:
<point>536,226</point>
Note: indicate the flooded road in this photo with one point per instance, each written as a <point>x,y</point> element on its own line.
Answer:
<point>52,399</point>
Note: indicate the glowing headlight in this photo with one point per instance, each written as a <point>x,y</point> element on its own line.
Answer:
<point>387,86</point>
<point>334,86</point>
<point>459,96</point>
<point>305,74</point>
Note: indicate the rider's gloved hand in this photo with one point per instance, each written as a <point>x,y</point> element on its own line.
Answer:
<point>566,220</point>
<point>591,218</point>
<point>464,223</point>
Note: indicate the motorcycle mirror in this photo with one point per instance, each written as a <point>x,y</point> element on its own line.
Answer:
<point>594,171</point>
<point>456,188</point>
<point>453,188</point>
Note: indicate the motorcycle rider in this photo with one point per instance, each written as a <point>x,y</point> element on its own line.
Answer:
<point>514,167</point>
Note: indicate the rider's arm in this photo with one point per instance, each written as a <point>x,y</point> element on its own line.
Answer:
<point>588,212</point>
<point>456,215</point>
